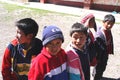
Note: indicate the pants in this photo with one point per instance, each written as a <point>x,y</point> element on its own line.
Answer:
<point>101,65</point>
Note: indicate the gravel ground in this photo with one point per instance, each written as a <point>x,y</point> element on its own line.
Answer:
<point>7,30</point>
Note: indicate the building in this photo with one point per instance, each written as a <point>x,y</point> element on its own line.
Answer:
<point>105,5</point>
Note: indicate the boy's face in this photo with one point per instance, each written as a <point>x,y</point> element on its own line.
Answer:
<point>91,23</point>
<point>54,46</point>
<point>22,38</point>
<point>78,40</point>
<point>108,25</point>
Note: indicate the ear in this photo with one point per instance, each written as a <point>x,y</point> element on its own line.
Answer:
<point>30,36</point>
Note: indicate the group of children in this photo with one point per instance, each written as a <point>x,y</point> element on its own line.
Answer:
<point>29,58</point>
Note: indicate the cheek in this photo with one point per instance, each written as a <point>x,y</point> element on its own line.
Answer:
<point>110,26</point>
<point>106,26</point>
<point>83,41</point>
<point>73,40</point>
<point>53,51</point>
<point>48,49</point>
<point>91,25</point>
<point>18,35</point>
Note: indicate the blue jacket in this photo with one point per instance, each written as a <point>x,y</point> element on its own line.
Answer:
<point>101,41</point>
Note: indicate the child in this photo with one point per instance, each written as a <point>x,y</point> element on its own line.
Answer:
<point>89,21</point>
<point>20,51</point>
<point>104,40</point>
<point>50,64</point>
<point>78,51</point>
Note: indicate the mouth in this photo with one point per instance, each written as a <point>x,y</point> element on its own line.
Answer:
<point>78,44</point>
<point>18,40</point>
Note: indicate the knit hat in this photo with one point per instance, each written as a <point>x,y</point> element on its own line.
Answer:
<point>50,33</point>
<point>86,18</point>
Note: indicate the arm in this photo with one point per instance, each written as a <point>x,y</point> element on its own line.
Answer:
<point>6,65</point>
<point>100,44</point>
<point>74,66</point>
<point>100,47</point>
<point>34,71</point>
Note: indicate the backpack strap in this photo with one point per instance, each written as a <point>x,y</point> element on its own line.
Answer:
<point>14,61</point>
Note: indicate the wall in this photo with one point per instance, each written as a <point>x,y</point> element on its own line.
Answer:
<point>107,2</point>
<point>105,5</point>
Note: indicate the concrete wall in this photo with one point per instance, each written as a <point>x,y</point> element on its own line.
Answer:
<point>105,5</point>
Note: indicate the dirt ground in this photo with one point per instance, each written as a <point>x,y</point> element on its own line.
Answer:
<point>7,30</point>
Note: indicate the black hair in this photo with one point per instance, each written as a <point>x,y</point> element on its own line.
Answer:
<point>78,27</point>
<point>28,26</point>
<point>109,17</point>
<point>95,26</point>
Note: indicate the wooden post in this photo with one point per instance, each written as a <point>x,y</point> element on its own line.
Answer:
<point>87,4</point>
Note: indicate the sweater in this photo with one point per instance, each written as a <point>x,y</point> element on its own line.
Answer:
<point>84,59</point>
<point>49,67</point>
<point>74,65</point>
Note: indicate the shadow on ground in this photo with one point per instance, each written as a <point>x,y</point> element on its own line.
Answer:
<point>106,78</point>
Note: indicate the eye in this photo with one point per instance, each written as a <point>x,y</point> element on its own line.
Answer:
<point>59,42</point>
<point>75,36</point>
<point>50,44</point>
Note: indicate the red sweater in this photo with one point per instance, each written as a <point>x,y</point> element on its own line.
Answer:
<point>47,67</point>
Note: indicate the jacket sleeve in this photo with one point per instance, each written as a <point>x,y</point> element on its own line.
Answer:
<point>34,71</point>
<point>6,66</point>
<point>74,66</point>
<point>100,44</point>
<point>100,47</point>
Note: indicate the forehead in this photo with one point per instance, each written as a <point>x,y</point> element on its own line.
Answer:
<point>19,30</point>
<point>55,40</point>
<point>78,34</point>
<point>92,19</point>
<point>109,22</point>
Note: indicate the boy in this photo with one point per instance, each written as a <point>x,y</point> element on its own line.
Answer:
<point>21,50</point>
<point>50,64</point>
<point>89,21</point>
<point>79,51</point>
<point>104,42</point>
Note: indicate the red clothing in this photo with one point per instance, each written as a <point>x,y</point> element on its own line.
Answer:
<point>94,60</point>
<point>74,64</point>
<point>11,53</point>
<point>108,41</point>
<point>47,67</point>
<point>6,65</point>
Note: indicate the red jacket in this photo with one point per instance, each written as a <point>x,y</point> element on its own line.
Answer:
<point>7,69</point>
<point>47,67</point>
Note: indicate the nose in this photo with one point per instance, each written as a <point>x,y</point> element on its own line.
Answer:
<point>78,40</point>
<point>109,26</point>
<point>16,35</point>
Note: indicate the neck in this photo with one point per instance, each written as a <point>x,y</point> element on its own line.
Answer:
<point>26,46</point>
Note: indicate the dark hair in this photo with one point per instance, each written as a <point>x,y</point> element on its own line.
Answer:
<point>28,26</point>
<point>109,17</point>
<point>78,27</point>
<point>95,26</point>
